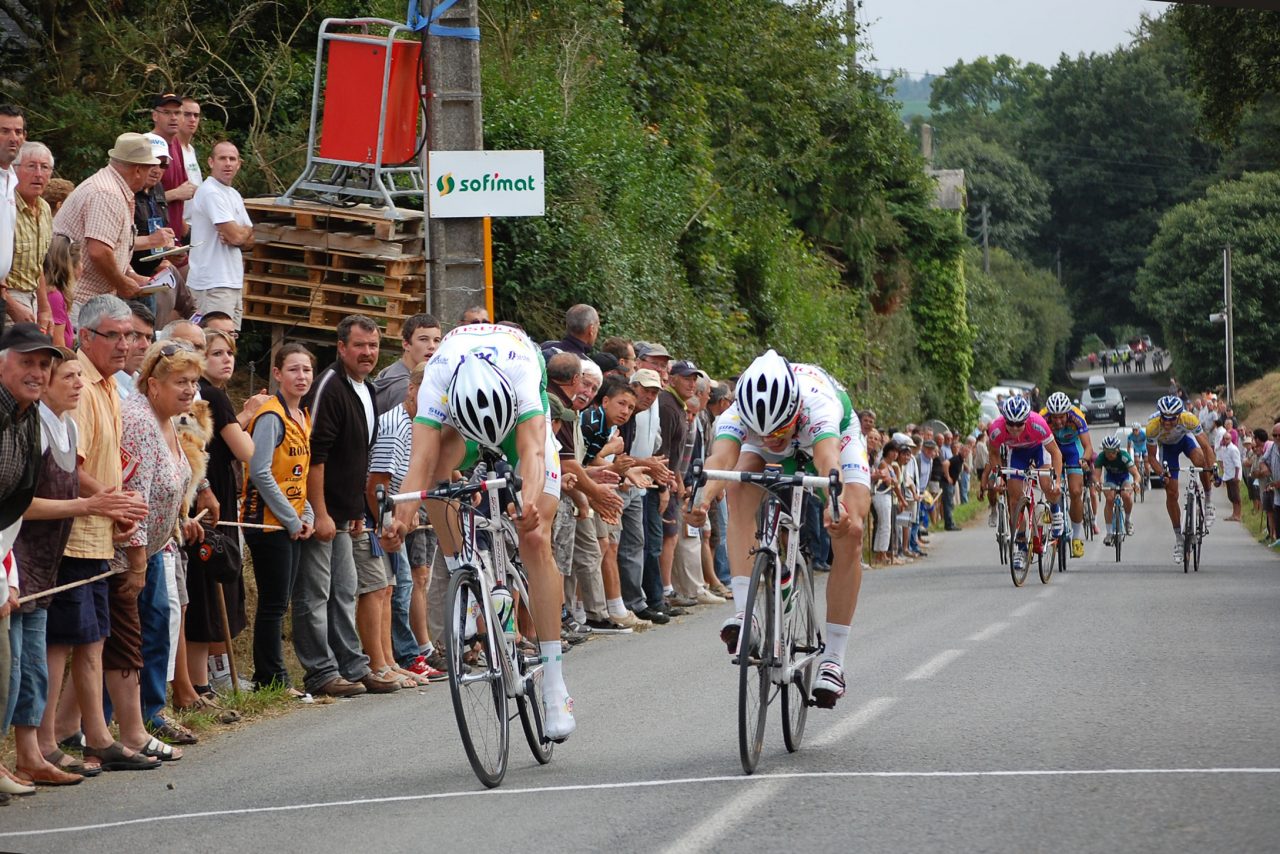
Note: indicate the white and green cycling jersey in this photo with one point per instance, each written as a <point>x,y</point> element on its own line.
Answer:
<point>826,412</point>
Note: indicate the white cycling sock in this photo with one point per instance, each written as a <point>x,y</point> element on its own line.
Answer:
<point>738,584</point>
<point>426,648</point>
<point>452,562</point>
<point>837,642</point>
<point>616,608</point>
<point>553,687</point>
<point>1077,530</point>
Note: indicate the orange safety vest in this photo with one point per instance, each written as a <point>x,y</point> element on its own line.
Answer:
<point>289,465</point>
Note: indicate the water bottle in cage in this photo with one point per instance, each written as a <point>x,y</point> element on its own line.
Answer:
<point>504,609</point>
<point>786,587</point>
<point>472,610</point>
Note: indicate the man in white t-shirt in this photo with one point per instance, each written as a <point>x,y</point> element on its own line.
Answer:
<point>220,227</point>
<point>13,133</point>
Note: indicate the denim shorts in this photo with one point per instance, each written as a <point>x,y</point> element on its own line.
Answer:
<point>80,615</point>
<point>29,685</point>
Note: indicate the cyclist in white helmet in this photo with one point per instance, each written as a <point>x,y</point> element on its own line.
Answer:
<point>780,408</point>
<point>486,387</point>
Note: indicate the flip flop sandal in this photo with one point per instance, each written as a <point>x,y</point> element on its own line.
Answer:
<point>75,766</point>
<point>114,758</point>
<point>173,732</point>
<point>157,749</point>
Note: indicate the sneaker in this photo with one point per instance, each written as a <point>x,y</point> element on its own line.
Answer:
<point>731,630</point>
<point>671,610</point>
<point>1177,552</point>
<point>437,661</point>
<point>221,685</point>
<point>653,617</point>
<point>1077,548</point>
<point>606,627</point>
<point>558,722</point>
<point>571,638</point>
<point>572,626</point>
<point>991,518</point>
<point>1128,527</point>
<point>829,686</point>
<point>629,620</point>
<point>1059,526</point>
<point>706,597</point>
<point>420,667</point>
<point>675,600</point>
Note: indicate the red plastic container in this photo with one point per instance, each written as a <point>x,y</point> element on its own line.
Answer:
<point>352,101</point>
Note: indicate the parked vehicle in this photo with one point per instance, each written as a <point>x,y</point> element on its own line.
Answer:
<point>1102,402</point>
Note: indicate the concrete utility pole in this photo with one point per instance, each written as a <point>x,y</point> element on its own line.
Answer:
<point>455,275</point>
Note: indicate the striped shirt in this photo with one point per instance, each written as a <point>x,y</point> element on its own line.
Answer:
<point>31,238</point>
<point>102,208</point>
<point>390,452</point>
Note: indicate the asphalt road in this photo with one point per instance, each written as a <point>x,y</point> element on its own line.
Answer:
<point>1123,707</point>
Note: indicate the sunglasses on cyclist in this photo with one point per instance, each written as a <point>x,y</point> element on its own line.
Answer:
<point>782,431</point>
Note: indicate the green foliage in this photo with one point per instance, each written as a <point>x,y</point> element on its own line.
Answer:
<point>1021,316</point>
<point>969,90</point>
<point>1234,59</point>
<point>1181,281</point>
<point>1091,343</point>
<point>1017,199</point>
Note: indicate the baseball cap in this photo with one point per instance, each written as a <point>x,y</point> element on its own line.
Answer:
<point>646,378</point>
<point>159,148</point>
<point>651,351</point>
<point>607,361</point>
<point>27,338</point>
<point>684,368</point>
<point>166,98</point>
<point>133,148</point>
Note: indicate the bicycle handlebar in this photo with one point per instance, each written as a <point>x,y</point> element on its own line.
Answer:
<point>769,480</point>
<point>481,480</point>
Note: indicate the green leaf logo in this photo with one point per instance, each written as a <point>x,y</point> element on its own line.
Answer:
<point>445,183</point>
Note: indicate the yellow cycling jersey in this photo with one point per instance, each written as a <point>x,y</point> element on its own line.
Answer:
<point>1170,434</point>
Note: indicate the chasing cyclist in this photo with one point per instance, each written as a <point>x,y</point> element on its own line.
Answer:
<point>1171,432</point>
<point>1119,472</point>
<point>1136,444</point>
<point>1029,437</point>
<point>1071,432</point>
<point>486,384</point>
<point>781,408</point>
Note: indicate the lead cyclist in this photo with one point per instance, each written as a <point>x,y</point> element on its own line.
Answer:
<point>486,384</point>
<point>781,408</point>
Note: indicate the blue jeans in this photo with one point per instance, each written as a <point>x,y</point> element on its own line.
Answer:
<point>153,613</point>
<point>964,487</point>
<point>29,681</point>
<point>324,613</point>
<point>404,644</point>
<point>722,548</point>
<point>652,549</point>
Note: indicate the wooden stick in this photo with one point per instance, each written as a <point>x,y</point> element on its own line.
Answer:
<point>64,587</point>
<point>253,525</point>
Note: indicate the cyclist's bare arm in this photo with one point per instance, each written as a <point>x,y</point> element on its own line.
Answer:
<point>422,463</point>
<point>531,442</point>
<point>724,455</point>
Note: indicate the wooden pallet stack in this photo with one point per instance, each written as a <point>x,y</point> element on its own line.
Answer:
<point>312,265</point>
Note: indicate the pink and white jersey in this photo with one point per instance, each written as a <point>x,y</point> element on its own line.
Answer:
<point>1036,433</point>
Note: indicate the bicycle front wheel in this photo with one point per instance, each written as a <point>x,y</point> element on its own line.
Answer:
<point>755,657</point>
<point>1022,520</point>
<point>1117,530</point>
<point>801,642</point>
<point>528,661</point>
<point>476,681</point>
<point>1200,532</point>
<point>1188,533</point>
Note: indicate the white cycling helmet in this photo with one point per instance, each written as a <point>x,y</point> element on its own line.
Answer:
<point>1058,404</point>
<point>482,404</point>
<point>1169,406</point>
<point>767,394</point>
<point>1015,410</point>
<point>1111,443</point>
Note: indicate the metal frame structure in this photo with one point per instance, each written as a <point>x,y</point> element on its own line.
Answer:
<point>375,181</point>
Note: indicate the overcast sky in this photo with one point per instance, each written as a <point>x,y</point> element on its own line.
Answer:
<point>928,35</point>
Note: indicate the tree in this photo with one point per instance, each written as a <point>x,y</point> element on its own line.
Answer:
<point>1114,137</point>
<point>1234,58</point>
<point>1017,198</point>
<point>1181,281</point>
<point>985,86</point>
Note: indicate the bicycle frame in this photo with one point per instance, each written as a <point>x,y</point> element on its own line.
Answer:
<point>773,520</point>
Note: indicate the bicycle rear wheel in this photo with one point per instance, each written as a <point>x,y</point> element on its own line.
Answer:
<point>1022,520</point>
<point>1003,537</point>
<point>1200,532</point>
<point>479,696</point>
<point>528,659</point>
<point>801,641</point>
<point>755,655</point>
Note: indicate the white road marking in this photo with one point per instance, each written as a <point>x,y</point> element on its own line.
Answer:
<point>868,712</point>
<point>1023,610</point>
<point>989,632</point>
<point>707,834</point>
<point>931,667</point>
<point>650,784</point>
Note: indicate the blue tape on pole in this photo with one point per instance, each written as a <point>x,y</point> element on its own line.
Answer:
<point>416,21</point>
